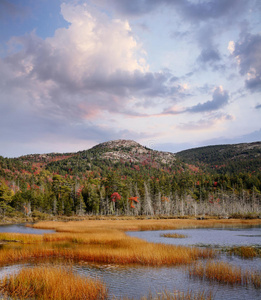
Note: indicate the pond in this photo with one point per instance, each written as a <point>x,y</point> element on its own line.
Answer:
<point>21,228</point>
<point>136,281</point>
<point>215,237</point>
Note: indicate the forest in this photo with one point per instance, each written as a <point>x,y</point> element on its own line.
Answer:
<point>125,178</point>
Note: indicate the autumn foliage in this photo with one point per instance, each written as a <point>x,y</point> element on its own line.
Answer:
<point>115,196</point>
<point>132,200</point>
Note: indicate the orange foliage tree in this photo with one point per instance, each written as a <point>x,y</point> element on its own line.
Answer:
<point>132,200</point>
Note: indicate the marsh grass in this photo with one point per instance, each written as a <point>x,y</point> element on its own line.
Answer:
<point>51,283</point>
<point>247,252</point>
<point>139,225</point>
<point>104,241</point>
<point>92,236</point>
<point>225,273</point>
<point>174,235</point>
<point>101,242</point>
<point>123,252</point>
<point>21,238</point>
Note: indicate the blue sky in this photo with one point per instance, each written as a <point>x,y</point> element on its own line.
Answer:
<point>169,74</point>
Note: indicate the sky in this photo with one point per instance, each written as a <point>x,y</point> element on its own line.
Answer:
<point>169,74</point>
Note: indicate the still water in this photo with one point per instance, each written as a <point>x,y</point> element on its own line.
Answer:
<point>21,228</point>
<point>219,237</point>
<point>136,281</point>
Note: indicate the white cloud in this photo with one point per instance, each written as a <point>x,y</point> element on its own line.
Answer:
<point>96,44</point>
<point>79,66</point>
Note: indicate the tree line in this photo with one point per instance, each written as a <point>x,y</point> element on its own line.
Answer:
<point>106,188</point>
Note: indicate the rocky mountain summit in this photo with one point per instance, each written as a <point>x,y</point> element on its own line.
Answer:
<point>130,151</point>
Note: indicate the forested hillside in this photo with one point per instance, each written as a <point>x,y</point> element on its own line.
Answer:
<point>123,177</point>
<point>226,158</point>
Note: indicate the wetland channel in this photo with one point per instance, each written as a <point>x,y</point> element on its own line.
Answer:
<point>137,281</point>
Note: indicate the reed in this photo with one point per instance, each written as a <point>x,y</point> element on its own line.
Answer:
<point>255,278</point>
<point>225,273</point>
<point>174,235</point>
<point>93,236</point>
<point>137,225</point>
<point>245,252</point>
<point>122,251</point>
<point>51,283</point>
<point>21,238</point>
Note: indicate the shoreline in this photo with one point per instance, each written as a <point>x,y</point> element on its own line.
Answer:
<point>19,220</point>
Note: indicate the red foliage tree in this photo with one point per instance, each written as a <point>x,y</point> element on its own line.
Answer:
<point>115,196</point>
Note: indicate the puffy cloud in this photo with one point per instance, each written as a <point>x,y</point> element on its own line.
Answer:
<point>220,98</point>
<point>93,65</point>
<point>248,55</point>
<point>92,46</point>
<point>204,21</point>
<point>65,84</point>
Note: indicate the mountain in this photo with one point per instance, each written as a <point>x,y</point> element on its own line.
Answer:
<point>128,154</point>
<point>129,151</point>
<point>124,177</point>
<point>245,157</point>
<point>125,153</point>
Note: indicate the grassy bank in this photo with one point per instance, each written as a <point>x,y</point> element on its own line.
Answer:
<point>139,225</point>
<point>38,217</point>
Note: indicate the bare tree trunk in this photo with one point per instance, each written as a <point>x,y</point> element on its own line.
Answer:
<point>147,209</point>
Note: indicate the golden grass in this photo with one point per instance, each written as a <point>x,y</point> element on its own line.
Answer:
<point>92,236</point>
<point>118,251</point>
<point>21,238</point>
<point>245,251</point>
<point>225,273</point>
<point>104,241</point>
<point>174,235</point>
<point>137,225</point>
<point>51,283</point>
